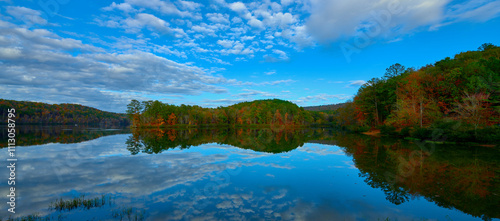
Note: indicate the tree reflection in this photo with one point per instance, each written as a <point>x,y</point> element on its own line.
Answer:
<point>154,141</point>
<point>461,177</point>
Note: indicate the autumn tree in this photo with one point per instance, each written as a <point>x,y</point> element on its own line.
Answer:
<point>134,110</point>
<point>277,117</point>
<point>394,71</point>
<point>172,119</point>
<point>346,116</point>
<point>368,100</point>
<point>474,109</point>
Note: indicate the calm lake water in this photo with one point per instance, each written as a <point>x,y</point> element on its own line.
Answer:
<point>246,174</point>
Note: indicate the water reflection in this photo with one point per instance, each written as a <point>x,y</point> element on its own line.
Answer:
<point>263,140</point>
<point>214,174</point>
<point>452,176</point>
<point>28,135</point>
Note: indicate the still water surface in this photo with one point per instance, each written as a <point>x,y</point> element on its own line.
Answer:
<point>247,174</point>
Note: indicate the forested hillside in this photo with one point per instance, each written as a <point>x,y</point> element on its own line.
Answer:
<point>42,113</point>
<point>459,96</point>
<point>259,112</point>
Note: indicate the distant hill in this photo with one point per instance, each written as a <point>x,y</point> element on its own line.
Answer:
<point>328,107</point>
<point>41,113</point>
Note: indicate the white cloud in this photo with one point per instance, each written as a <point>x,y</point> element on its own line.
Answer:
<point>149,21</point>
<point>163,7</point>
<point>225,43</point>
<point>139,22</point>
<point>282,54</point>
<point>286,2</point>
<point>475,10</point>
<point>256,23</point>
<point>251,93</point>
<point>237,31</point>
<point>356,83</point>
<point>265,83</point>
<point>189,5</point>
<point>276,7</point>
<point>10,53</point>
<point>236,20</point>
<point>29,16</point>
<point>236,48</point>
<point>209,29</point>
<point>247,38</point>
<point>323,98</point>
<point>278,82</point>
<point>238,7</point>
<point>103,80</point>
<point>125,7</point>
<point>332,20</point>
<point>282,20</point>
<point>163,49</point>
<point>225,101</point>
<point>299,35</point>
<point>203,29</point>
<point>218,18</point>
<point>215,60</point>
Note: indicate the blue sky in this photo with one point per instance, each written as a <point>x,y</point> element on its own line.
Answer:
<point>220,52</point>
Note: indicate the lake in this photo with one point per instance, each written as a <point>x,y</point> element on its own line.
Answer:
<point>75,173</point>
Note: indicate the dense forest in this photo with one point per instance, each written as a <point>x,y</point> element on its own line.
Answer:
<point>260,112</point>
<point>42,113</point>
<point>455,99</point>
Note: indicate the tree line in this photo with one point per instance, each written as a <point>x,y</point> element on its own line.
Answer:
<point>460,96</point>
<point>260,112</point>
